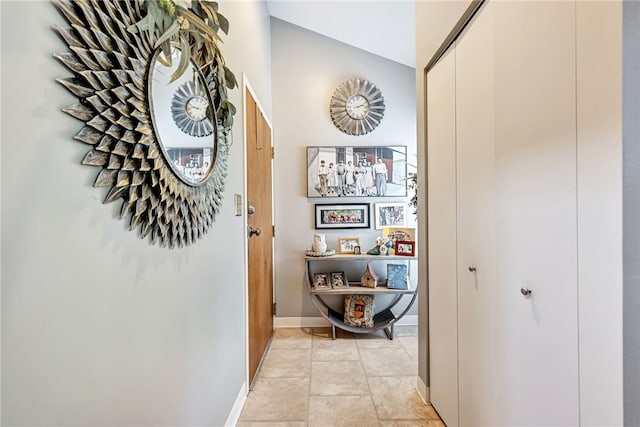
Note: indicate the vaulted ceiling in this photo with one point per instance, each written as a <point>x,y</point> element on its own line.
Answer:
<point>383,27</point>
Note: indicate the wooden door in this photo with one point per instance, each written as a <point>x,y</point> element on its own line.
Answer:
<point>260,246</point>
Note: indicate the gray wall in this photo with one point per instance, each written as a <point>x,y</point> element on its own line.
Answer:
<point>98,326</point>
<point>631,213</point>
<point>307,67</point>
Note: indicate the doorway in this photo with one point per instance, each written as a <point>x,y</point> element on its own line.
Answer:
<point>259,193</point>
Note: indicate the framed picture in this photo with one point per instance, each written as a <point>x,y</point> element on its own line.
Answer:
<point>405,247</point>
<point>390,215</point>
<point>346,215</point>
<point>321,281</point>
<point>358,310</point>
<point>397,276</point>
<point>339,280</point>
<point>398,233</point>
<point>356,250</point>
<point>357,171</point>
<point>348,245</point>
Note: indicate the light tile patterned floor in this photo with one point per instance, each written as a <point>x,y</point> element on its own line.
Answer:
<point>364,380</point>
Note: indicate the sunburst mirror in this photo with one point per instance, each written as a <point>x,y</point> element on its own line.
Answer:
<point>160,137</point>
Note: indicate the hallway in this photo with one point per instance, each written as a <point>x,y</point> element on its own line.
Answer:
<point>308,379</point>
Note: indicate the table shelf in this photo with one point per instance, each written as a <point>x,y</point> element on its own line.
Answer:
<point>384,319</point>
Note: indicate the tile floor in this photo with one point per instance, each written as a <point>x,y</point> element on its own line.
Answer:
<point>308,379</point>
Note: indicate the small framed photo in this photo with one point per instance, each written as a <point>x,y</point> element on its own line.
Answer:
<point>397,276</point>
<point>397,233</point>
<point>339,280</point>
<point>321,281</point>
<point>347,215</point>
<point>356,250</point>
<point>390,215</point>
<point>347,245</point>
<point>405,248</point>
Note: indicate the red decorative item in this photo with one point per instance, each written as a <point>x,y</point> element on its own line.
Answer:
<point>405,248</point>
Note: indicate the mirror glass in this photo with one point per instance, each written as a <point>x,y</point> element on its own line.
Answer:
<point>183,118</point>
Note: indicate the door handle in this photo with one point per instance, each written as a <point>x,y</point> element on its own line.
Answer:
<point>254,231</point>
<point>472,268</point>
<point>526,292</point>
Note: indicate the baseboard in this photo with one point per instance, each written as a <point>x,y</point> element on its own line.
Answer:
<point>321,322</point>
<point>234,415</point>
<point>301,322</point>
<point>408,320</point>
<point>423,391</point>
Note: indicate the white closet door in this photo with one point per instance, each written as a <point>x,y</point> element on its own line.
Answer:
<point>535,155</point>
<point>476,266</point>
<point>441,180</point>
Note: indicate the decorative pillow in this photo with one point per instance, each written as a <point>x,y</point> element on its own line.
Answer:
<point>358,310</point>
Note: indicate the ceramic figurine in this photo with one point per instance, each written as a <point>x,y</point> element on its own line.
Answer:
<point>374,251</point>
<point>383,246</point>
<point>319,244</point>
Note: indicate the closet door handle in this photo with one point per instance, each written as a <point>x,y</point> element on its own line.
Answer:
<point>472,269</point>
<point>526,292</point>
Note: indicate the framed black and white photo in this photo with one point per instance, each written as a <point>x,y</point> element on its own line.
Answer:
<point>390,215</point>
<point>348,245</point>
<point>357,171</point>
<point>346,215</point>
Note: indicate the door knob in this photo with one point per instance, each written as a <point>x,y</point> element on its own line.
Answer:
<point>254,231</point>
<point>472,268</point>
<point>526,292</point>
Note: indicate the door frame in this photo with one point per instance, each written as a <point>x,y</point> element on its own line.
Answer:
<point>246,86</point>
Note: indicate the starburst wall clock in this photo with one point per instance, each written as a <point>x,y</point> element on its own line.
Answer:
<point>357,107</point>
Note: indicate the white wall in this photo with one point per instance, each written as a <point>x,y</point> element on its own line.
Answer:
<point>98,326</point>
<point>307,67</point>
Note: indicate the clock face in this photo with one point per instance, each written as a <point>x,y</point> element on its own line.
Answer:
<point>190,109</point>
<point>197,108</point>
<point>357,107</point>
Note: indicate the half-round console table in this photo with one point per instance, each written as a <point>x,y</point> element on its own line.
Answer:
<point>385,318</point>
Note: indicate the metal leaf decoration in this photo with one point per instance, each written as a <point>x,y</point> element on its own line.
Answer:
<point>110,67</point>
